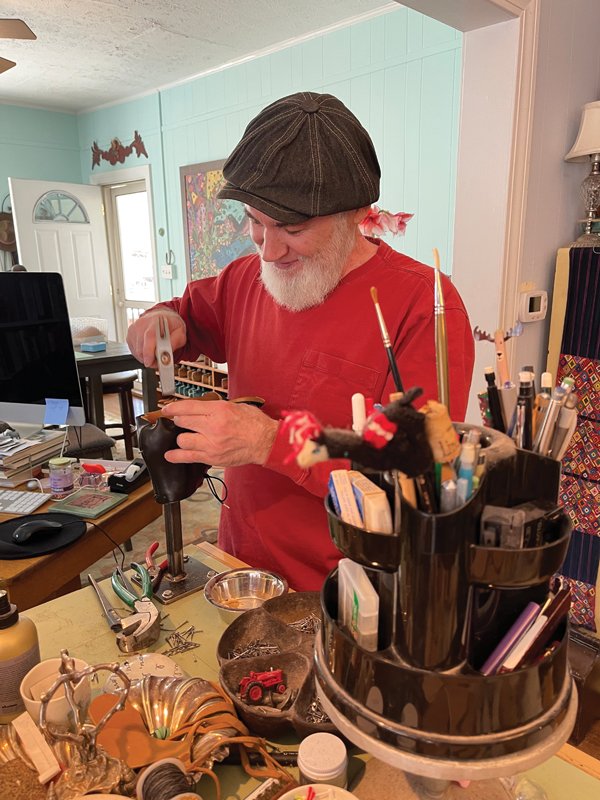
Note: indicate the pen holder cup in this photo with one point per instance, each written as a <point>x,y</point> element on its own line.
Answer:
<point>459,715</point>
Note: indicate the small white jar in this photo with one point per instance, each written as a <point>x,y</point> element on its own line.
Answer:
<point>322,758</point>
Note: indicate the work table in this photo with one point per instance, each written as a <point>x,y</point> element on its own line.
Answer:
<point>76,622</point>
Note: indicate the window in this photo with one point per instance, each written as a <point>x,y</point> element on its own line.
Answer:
<point>59,207</point>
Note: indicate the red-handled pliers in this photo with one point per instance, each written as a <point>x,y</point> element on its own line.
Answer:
<point>155,572</point>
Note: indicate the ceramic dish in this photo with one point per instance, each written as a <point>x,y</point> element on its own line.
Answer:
<point>287,624</point>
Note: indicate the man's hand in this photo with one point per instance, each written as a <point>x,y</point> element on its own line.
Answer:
<point>225,434</point>
<point>141,336</point>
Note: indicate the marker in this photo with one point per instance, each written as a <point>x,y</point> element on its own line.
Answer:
<point>529,368</point>
<point>542,401</point>
<point>462,491</point>
<point>544,435</point>
<point>494,403</point>
<point>523,433</point>
<point>468,457</point>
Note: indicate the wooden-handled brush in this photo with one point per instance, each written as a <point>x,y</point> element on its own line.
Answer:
<point>386,342</point>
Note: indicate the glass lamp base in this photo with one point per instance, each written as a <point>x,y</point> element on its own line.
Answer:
<point>587,240</point>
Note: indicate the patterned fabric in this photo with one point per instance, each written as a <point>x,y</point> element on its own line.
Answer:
<point>583,454</point>
<point>581,500</point>
<point>582,557</point>
<point>580,483</point>
<point>583,603</point>
<point>586,374</point>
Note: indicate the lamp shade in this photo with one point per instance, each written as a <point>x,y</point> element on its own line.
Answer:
<point>588,138</point>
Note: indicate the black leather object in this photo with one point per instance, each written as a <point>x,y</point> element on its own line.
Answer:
<point>171,482</point>
<point>42,543</point>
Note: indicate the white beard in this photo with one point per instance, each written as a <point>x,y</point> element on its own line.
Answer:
<point>308,283</point>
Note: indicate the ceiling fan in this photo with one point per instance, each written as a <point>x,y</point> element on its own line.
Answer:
<point>13,29</point>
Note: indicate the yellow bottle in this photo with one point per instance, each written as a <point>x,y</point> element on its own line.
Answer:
<point>19,652</point>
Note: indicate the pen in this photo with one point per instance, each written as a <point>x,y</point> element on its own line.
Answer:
<point>565,427</point>
<point>494,400</point>
<point>544,435</point>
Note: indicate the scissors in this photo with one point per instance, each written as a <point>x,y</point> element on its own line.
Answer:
<point>142,628</point>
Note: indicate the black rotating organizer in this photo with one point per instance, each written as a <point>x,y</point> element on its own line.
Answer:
<point>445,602</point>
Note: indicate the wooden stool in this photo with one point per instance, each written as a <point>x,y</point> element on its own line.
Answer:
<point>121,383</point>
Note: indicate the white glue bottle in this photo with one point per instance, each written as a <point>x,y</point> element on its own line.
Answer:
<point>322,758</point>
<point>19,652</point>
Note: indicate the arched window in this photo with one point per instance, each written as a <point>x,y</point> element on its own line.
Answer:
<point>59,207</point>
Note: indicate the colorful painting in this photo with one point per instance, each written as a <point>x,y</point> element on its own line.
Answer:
<point>215,230</point>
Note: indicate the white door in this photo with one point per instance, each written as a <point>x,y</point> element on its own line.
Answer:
<point>60,228</point>
<point>130,246</point>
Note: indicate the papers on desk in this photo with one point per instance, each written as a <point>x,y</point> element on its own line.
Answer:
<point>21,453</point>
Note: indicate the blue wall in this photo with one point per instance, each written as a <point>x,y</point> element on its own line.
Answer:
<point>400,73</point>
<point>37,144</point>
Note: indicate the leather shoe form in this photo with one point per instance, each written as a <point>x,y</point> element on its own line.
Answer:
<point>157,434</point>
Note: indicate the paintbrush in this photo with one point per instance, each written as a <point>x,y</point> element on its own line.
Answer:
<point>441,339</point>
<point>386,342</point>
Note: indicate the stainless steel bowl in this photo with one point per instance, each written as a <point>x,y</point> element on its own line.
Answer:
<point>238,590</point>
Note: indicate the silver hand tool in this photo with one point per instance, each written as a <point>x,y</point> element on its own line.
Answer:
<point>164,357</point>
<point>114,620</point>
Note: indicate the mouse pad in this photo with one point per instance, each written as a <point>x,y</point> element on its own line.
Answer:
<point>42,542</point>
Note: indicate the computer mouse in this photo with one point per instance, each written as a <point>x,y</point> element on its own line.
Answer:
<point>25,531</point>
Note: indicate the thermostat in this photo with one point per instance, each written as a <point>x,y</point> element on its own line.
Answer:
<point>533,305</point>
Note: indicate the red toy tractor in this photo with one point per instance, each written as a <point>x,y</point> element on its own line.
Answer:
<point>254,687</point>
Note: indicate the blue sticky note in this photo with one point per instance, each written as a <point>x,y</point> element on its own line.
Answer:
<point>56,411</point>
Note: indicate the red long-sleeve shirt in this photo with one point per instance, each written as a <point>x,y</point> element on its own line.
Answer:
<point>315,360</point>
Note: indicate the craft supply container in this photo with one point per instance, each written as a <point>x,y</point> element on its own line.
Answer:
<point>445,601</point>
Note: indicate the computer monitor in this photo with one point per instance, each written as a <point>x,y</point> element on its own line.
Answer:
<point>37,360</point>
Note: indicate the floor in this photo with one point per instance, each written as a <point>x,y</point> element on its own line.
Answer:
<point>200,514</point>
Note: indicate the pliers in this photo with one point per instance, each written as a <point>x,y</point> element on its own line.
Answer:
<point>155,571</point>
<point>141,628</point>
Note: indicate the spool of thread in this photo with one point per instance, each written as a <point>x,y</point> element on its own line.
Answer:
<point>165,780</point>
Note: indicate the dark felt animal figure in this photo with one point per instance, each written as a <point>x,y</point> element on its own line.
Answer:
<point>392,438</point>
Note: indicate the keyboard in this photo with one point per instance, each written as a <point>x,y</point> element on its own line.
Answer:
<point>13,502</point>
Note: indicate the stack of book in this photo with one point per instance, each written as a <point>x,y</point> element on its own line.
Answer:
<point>20,459</point>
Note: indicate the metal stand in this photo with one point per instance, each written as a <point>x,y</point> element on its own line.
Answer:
<point>185,575</point>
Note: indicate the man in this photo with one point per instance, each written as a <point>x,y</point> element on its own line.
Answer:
<point>297,326</point>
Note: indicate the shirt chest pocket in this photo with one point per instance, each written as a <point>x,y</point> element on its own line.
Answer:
<point>325,385</point>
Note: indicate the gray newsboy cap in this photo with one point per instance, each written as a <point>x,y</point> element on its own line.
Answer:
<point>305,155</point>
